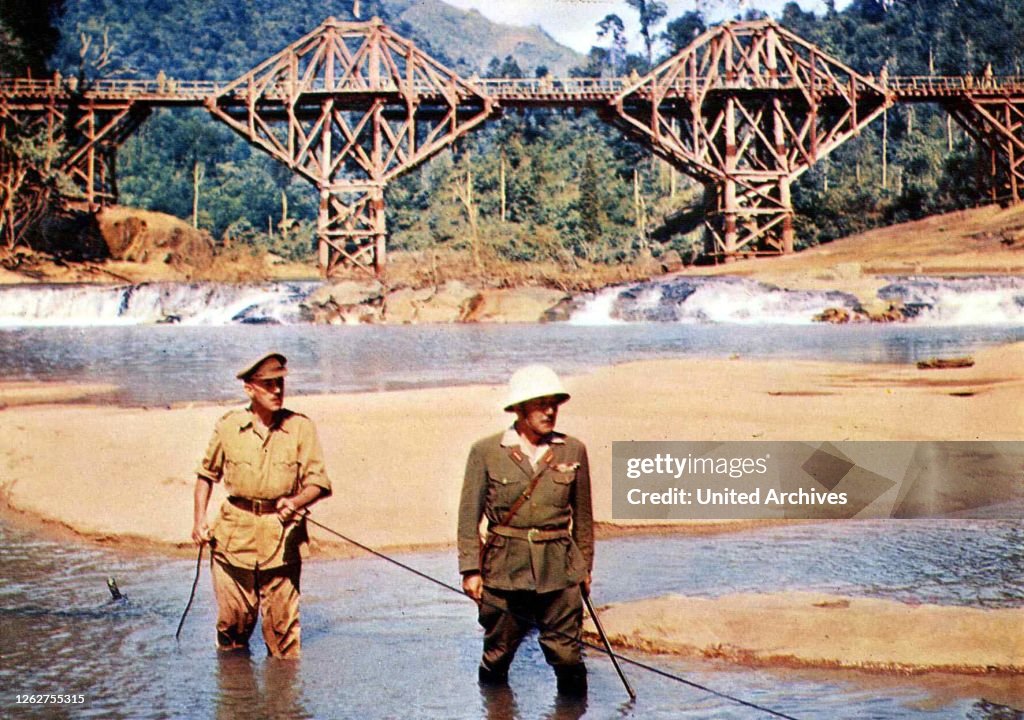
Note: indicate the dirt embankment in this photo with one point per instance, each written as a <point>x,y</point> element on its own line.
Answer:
<point>443,286</point>
<point>127,245</point>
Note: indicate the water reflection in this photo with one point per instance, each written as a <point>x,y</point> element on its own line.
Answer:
<point>155,365</point>
<point>499,703</point>
<point>272,689</point>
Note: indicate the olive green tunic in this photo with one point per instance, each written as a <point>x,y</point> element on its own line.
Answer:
<point>497,473</point>
<point>276,463</point>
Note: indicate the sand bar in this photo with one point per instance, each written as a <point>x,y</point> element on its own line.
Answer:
<point>799,629</point>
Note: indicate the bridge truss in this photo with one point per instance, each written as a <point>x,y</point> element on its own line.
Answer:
<point>350,107</point>
<point>747,108</point>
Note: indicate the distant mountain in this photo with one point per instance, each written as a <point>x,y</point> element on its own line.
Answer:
<point>239,34</point>
<point>468,39</point>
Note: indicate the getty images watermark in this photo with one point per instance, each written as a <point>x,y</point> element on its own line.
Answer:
<point>816,480</point>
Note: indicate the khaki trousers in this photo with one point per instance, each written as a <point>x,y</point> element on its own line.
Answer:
<point>242,594</point>
<point>506,617</point>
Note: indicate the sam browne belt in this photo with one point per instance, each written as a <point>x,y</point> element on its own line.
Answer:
<point>531,534</point>
<point>257,506</point>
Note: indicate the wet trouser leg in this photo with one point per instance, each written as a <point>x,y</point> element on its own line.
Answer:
<point>241,593</point>
<point>560,617</point>
<point>506,617</point>
<point>279,597</point>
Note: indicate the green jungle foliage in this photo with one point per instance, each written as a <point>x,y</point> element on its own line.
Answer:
<point>574,188</point>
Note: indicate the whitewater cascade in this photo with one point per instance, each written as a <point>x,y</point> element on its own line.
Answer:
<point>151,303</point>
<point>981,300</point>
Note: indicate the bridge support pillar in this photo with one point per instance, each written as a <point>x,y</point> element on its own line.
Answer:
<point>996,122</point>
<point>786,201</point>
<point>352,227</point>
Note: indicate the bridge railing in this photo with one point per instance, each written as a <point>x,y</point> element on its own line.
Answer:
<point>170,89</point>
<point>167,88</point>
<point>954,84</point>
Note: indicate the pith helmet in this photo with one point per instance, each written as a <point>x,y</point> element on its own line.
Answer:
<point>268,367</point>
<point>531,382</point>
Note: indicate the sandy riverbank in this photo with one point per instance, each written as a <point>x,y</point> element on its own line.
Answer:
<point>799,630</point>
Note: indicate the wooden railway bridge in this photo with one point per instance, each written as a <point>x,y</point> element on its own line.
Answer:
<point>746,109</point>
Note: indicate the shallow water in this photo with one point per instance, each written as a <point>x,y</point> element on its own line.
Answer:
<point>157,364</point>
<point>379,642</point>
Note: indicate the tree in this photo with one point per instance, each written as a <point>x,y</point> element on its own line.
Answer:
<point>28,24</point>
<point>651,13</point>
<point>28,174</point>
<point>613,27</point>
<point>680,32</point>
<point>590,208</point>
<point>507,68</point>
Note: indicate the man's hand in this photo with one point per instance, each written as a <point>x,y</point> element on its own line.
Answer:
<point>585,585</point>
<point>200,533</point>
<point>286,510</point>
<point>473,585</point>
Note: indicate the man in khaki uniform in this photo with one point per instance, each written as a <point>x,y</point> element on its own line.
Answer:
<point>530,487</point>
<point>272,466</point>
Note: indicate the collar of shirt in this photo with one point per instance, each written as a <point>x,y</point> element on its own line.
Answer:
<point>511,438</point>
<point>248,422</point>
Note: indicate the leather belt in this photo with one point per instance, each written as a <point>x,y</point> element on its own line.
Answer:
<point>532,535</point>
<point>257,506</point>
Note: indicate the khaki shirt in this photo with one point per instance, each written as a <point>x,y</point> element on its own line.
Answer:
<point>278,462</point>
<point>497,473</point>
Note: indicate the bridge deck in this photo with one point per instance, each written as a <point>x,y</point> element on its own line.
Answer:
<point>22,92</point>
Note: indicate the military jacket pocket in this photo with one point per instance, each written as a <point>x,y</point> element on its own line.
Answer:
<point>495,554</point>
<point>563,478</point>
<point>503,490</point>
<point>560,487</point>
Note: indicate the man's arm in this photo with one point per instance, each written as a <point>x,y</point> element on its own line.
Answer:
<point>208,472</point>
<point>583,516</point>
<point>313,483</point>
<point>471,509</point>
<point>200,499</point>
<point>289,507</point>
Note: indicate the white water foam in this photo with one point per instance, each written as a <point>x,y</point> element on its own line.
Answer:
<point>705,300</point>
<point>597,309</point>
<point>730,300</point>
<point>151,303</point>
<point>982,300</point>
<point>726,300</point>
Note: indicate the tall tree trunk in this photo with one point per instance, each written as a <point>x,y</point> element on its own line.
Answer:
<point>198,171</point>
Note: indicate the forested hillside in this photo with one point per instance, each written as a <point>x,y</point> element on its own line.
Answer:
<point>575,190</point>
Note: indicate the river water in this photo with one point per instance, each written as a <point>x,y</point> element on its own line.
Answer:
<point>161,364</point>
<point>379,642</point>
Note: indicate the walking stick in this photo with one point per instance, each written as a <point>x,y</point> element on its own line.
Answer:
<point>192,595</point>
<point>607,645</point>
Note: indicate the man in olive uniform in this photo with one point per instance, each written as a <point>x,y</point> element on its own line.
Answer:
<point>272,466</point>
<point>530,487</point>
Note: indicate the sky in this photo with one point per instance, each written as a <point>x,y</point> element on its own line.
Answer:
<point>574,22</point>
